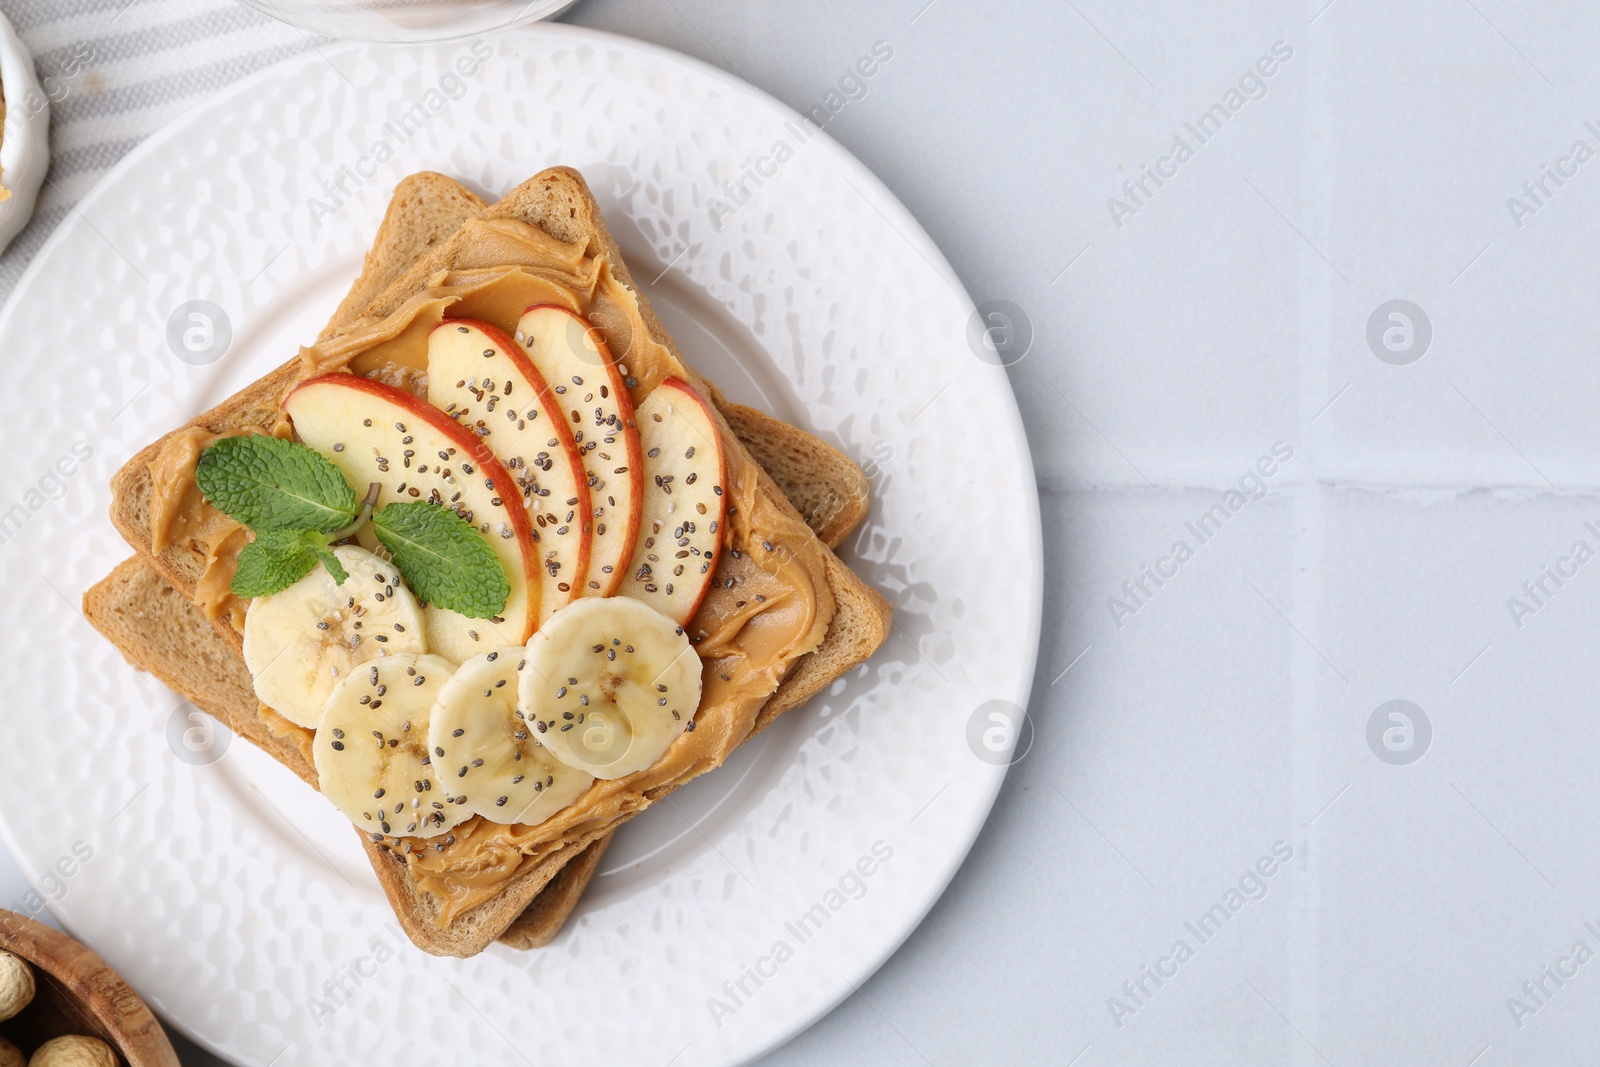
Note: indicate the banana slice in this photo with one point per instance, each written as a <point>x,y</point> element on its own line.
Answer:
<point>608,684</point>
<point>371,749</point>
<point>486,755</point>
<point>301,642</point>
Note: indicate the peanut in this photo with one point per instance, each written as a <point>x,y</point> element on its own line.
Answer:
<point>73,1051</point>
<point>16,985</point>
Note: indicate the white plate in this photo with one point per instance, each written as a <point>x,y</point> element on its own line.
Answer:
<point>234,898</point>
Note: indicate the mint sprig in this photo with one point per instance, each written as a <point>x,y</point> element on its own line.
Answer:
<point>271,484</point>
<point>444,558</point>
<point>298,504</point>
<point>276,559</point>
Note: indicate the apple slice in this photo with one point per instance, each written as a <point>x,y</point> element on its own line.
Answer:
<point>376,433</point>
<point>589,386</point>
<point>482,379</point>
<point>685,502</point>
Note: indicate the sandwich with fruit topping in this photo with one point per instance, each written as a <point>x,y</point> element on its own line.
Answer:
<point>501,569</point>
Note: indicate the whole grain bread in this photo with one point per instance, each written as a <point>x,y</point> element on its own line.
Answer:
<point>161,632</point>
<point>559,202</point>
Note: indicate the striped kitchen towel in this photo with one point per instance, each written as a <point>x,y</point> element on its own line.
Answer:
<point>118,70</point>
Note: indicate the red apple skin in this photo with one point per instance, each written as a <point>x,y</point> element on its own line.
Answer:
<point>690,393</point>
<point>550,402</point>
<point>630,436</point>
<point>468,443</point>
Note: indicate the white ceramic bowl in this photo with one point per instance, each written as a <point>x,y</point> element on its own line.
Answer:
<point>25,145</point>
<point>402,21</point>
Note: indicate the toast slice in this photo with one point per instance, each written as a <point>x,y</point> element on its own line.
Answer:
<point>160,632</point>
<point>559,203</point>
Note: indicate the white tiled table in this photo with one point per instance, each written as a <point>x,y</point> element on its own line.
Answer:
<point>1178,743</point>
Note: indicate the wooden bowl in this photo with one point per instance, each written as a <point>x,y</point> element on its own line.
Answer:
<point>78,994</point>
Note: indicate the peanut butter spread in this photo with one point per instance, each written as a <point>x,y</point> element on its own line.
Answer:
<point>179,514</point>
<point>769,605</point>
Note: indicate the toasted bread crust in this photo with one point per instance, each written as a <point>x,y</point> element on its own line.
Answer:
<point>543,919</point>
<point>558,201</point>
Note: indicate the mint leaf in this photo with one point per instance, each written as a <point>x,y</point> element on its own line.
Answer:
<point>274,561</point>
<point>443,558</point>
<point>324,555</point>
<point>271,484</point>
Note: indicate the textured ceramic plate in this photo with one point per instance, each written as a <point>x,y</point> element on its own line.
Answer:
<point>727,919</point>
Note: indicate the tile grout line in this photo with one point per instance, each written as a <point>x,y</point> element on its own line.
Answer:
<point>1314,305</point>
